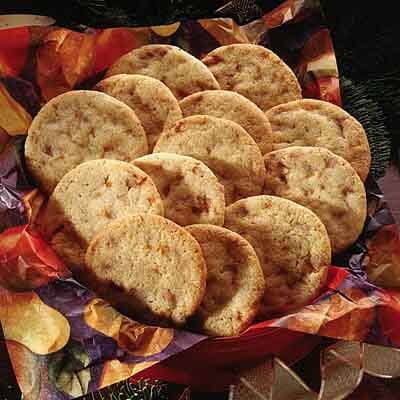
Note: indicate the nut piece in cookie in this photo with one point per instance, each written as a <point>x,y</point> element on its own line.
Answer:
<point>90,197</point>
<point>235,281</point>
<point>224,146</point>
<point>292,245</point>
<point>317,123</point>
<point>152,101</point>
<point>190,191</point>
<point>255,72</point>
<point>323,182</point>
<point>179,70</point>
<point>79,126</point>
<point>236,108</point>
<point>149,267</point>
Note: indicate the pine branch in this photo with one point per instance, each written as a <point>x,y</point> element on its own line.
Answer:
<point>141,390</point>
<point>243,11</point>
<point>357,102</point>
<point>103,13</point>
<point>365,37</point>
<point>386,90</point>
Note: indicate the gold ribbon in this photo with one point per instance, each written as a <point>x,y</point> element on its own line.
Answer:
<point>342,367</point>
<point>18,20</point>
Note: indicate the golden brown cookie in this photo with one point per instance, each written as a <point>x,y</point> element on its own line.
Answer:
<point>235,281</point>
<point>91,196</point>
<point>292,245</point>
<point>180,71</point>
<point>309,122</point>
<point>149,266</point>
<point>323,182</point>
<point>224,146</point>
<point>236,108</point>
<point>255,72</point>
<point>152,101</point>
<point>190,191</point>
<point>78,126</point>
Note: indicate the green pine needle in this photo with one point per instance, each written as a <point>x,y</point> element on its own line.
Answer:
<point>357,102</point>
<point>101,13</point>
<point>386,90</point>
<point>366,57</point>
<point>142,390</point>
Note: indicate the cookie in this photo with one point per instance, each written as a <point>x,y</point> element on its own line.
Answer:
<point>235,281</point>
<point>323,182</point>
<point>91,196</point>
<point>224,146</point>
<point>152,101</point>
<point>190,191</point>
<point>255,72</point>
<point>78,126</point>
<point>180,71</point>
<point>236,108</point>
<point>318,123</point>
<point>148,266</point>
<point>292,245</point>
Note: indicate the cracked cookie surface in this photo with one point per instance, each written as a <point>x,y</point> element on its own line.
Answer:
<point>190,191</point>
<point>255,72</point>
<point>152,101</point>
<point>91,196</point>
<point>292,245</point>
<point>179,70</point>
<point>323,182</point>
<point>309,122</point>
<point>149,266</point>
<point>236,108</point>
<point>235,281</point>
<point>224,146</point>
<point>78,126</point>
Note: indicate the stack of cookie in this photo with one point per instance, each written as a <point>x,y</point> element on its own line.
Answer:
<point>234,216</point>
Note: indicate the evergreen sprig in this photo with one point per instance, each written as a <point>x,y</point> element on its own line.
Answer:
<point>142,390</point>
<point>366,44</point>
<point>358,102</point>
<point>107,13</point>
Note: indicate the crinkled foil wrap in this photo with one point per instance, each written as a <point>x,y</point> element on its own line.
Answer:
<point>62,339</point>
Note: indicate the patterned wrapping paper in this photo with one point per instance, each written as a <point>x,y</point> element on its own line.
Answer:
<point>63,341</point>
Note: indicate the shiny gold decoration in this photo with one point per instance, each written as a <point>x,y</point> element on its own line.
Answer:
<point>342,365</point>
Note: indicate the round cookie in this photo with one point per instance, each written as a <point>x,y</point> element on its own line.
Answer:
<point>236,108</point>
<point>255,72</point>
<point>235,281</point>
<point>179,70</point>
<point>149,266</point>
<point>190,191</point>
<point>91,196</point>
<point>78,126</point>
<point>323,182</point>
<point>152,101</point>
<point>292,245</point>
<point>224,146</point>
<point>309,122</point>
